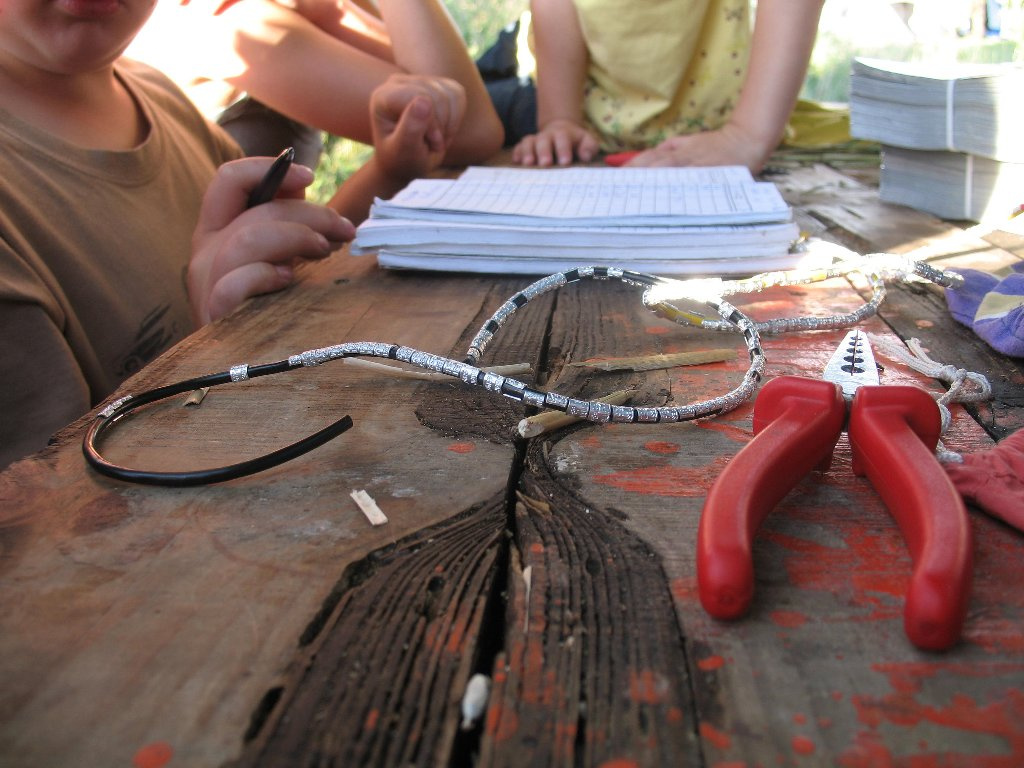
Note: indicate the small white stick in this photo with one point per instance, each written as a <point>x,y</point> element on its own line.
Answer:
<point>369,507</point>
<point>474,701</point>
<point>527,573</point>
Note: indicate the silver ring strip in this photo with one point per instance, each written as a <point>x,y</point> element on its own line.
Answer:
<point>623,414</point>
<point>534,398</point>
<point>600,412</point>
<point>493,381</point>
<point>555,400</point>
<point>578,408</point>
<point>107,412</point>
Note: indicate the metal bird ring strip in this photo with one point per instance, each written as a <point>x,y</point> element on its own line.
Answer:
<point>658,294</point>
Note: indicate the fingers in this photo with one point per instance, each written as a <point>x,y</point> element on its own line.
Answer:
<point>302,231</point>
<point>445,98</point>
<point>523,153</point>
<point>255,251</point>
<point>559,142</point>
<point>228,193</point>
<point>415,120</point>
<point>588,147</point>
<point>261,258</point>
<point>242,283</point>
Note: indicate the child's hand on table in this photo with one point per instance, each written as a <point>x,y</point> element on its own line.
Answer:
<point>557,143</point>
<point>728,145</point>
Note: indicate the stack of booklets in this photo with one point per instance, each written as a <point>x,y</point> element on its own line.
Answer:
<point>952,185</point>
<point>950,134</point>
<point>669,221</point>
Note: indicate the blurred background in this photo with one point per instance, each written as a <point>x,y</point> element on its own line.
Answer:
<point>965,30</point>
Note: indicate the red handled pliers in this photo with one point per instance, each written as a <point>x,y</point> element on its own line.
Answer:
<point>893,431</point>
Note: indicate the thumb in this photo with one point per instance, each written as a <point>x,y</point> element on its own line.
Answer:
<point>414,122</point>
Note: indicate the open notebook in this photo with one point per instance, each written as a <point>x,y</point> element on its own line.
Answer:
<point>535,221</point>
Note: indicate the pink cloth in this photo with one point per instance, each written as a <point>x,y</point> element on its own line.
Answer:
<point>994,479</point>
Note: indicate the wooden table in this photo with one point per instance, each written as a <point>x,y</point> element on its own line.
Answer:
<point>265,622</point>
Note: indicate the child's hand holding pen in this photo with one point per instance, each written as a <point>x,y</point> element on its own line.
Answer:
<point>254,225</point>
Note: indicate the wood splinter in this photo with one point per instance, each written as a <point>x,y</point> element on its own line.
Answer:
<point>369,507</point>
<point>552,420</point>
<point>657,362</point>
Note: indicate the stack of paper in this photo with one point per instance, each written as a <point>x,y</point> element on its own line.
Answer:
<point>950,134</point>
<point>959,107</point>
<point>952,185</point>
<point>538,221</point>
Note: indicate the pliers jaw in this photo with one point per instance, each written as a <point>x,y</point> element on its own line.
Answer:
<point>852,365</point>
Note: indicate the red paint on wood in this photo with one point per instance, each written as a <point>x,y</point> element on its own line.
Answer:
<point>456,637</point>
<point>877,567</point>
<point>154,755</point>
<point>710,663</point>
<point>680,482</point>
<point>619,762</point>
<point>647,687</point>
<point>714,736</point>
<point>662,446</point>
<point>684,589</point>
<point>741,435</point>
<point>789,619</point>
<point>802,745</point>
<point>371,719</point>
<point>1000,717</point>
<point>502,723</point>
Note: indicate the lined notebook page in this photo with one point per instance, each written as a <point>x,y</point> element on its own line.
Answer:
<point>605,196</point>
<point>722,174</point>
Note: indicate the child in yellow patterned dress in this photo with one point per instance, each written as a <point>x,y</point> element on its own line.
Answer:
<point>683,82</point>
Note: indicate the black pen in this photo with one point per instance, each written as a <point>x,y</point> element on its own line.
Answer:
<point>271,182</point>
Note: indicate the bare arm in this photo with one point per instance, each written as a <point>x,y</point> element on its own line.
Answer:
<point>561,71</point>
<point>784,33</point>
<point>348,22</point>
<point>425,41</point>
<point>325,78</point>
<point>292,65</point>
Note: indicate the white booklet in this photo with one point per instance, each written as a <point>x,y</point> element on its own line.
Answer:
<point>508,220</point>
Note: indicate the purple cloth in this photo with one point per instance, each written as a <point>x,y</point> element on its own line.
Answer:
<point>993,307</point>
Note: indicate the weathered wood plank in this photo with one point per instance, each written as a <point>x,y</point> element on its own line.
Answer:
<point>594,670</point>
<point>820,671</point>
<point>381,682</point>
<point>135,619</point>
<point>173,624</point>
